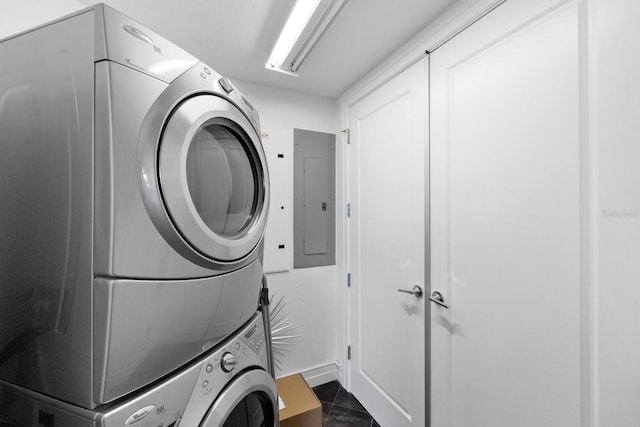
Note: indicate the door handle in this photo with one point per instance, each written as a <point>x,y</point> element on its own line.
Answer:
<point>416,291</point>
<point>438,299</point>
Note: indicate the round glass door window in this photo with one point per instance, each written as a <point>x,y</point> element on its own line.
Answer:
<point>213,178</point>
<point>250,400</point>
<point>221,179</point>
<point>255,410</point>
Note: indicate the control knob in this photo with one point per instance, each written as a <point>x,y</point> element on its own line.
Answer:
<point>228,362</point>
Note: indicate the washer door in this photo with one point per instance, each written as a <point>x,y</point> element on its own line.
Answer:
<point>251,400</point>
<point>213,179</point>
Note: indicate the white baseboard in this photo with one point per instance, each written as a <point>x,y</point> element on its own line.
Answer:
<point>321,375</point>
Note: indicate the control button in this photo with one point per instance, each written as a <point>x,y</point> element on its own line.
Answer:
<point>228,362</point>
<point>203,76</point>
<point>205,384</point>
<point>225,84</point>
<point>206,70</point>
<point>209,368</point>
<point>237,346</point>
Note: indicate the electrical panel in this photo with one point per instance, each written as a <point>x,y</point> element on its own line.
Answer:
<point>314,198</point>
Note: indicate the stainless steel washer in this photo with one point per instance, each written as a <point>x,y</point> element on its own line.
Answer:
<point>228,387</point>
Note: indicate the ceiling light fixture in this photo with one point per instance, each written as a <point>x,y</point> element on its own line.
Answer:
<point>308,20</point>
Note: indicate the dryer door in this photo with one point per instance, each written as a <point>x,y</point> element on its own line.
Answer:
<point>213,179</point>
<point>251,400</point>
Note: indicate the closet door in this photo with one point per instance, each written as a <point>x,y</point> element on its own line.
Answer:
<point>509,196</point>
<point>387,249</point>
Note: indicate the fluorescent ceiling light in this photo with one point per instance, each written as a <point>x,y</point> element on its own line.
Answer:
<point>299,18</point>
<point>307,22</point>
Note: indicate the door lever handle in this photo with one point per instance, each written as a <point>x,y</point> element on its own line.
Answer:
<point>438,299</point>
<point>416,291</point>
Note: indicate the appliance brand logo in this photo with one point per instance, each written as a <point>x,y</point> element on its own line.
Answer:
<point>621,213</point>
<point>140,415</point>
<point>137,33</point>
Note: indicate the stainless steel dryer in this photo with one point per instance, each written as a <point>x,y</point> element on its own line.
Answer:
<point>134,192</point>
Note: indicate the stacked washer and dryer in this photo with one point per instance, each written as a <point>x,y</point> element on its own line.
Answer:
<point>133,200</point>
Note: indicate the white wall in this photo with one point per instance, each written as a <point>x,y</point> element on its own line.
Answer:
<point>310,293</point>
<point>615,227</point>
<point>20,15</point>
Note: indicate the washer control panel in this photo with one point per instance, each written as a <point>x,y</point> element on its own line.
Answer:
<point>245,350</point>
<point>185,398</point>
<point>228,362</point>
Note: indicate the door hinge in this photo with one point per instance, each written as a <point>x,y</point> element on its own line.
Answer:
<point>348,352</point>
<point>348,210</point>
<point>348,280</point>
<point>347,132</point>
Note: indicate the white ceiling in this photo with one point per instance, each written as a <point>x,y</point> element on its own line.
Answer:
<point>235,37</point>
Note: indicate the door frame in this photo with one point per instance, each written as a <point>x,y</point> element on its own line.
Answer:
<point>417,73</point>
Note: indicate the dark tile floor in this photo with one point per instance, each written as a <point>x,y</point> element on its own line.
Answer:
<point>340,408</point>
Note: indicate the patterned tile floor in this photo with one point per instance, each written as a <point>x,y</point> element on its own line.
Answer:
<point>340,408</point>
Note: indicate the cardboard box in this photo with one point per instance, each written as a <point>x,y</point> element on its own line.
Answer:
<point>302,407</point>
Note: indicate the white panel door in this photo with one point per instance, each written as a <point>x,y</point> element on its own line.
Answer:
<point>507,208</point>
<point>387,249</point>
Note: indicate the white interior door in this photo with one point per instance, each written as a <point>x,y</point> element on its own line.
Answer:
<point>507,208</point>
<point>387,249</point>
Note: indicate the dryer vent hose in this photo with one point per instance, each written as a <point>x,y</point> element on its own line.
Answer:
<point>266,319</point>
